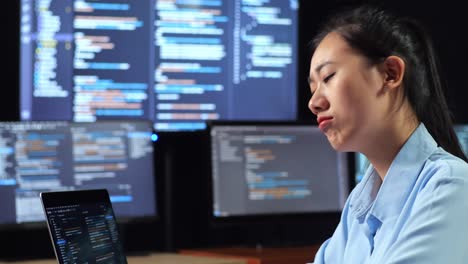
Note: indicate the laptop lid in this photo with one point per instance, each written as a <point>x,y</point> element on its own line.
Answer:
<point>83,227</point>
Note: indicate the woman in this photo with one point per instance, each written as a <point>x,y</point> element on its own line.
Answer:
<point>376,90</point>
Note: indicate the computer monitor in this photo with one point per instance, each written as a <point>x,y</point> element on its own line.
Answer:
<point>275,169</point>
<point>177,63</point>
<point>462,133</point>
<point>361,163</point>
<point>45,156</point>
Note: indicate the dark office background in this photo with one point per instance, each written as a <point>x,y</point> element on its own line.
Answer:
<point>182,172</point>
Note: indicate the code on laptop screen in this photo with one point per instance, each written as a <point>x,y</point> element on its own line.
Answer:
<point>85,233</point>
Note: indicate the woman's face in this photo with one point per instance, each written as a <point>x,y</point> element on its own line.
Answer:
<point>345,94</point>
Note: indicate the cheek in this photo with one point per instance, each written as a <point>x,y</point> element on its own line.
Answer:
<point>350,103</point>
<point>351,112</point>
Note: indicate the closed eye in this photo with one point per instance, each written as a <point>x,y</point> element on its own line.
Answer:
<point>328,77</point>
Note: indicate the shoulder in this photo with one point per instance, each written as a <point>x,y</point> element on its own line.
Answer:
<point>447,164</point>
<point>444,169</point>
<point>430,226</point>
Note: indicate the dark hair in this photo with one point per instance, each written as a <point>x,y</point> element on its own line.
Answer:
<point>377,34</point>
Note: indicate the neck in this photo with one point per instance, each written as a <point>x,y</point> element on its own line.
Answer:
<point>382,150</point>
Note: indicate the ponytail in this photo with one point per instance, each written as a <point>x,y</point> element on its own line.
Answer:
<point>434,111</point>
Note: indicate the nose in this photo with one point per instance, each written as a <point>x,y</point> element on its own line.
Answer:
<point>318,103</point>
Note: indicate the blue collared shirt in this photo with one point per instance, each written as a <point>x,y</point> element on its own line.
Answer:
<point>418,214</point>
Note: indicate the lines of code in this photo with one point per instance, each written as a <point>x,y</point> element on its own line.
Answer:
<point>273,170</point>
<point>85,233</point>
<point>44,156</point>
<point>266,182</point>
<point>109,80</point>
<point>177,63</point>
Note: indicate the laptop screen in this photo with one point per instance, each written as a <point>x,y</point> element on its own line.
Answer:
<point>83,227</point>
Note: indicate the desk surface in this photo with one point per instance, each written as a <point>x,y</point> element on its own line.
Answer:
<point>262,255</point>
<point>228,255</point>
<point>158,258</point>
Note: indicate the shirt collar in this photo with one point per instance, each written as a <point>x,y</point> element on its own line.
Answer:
<point>380,198</point>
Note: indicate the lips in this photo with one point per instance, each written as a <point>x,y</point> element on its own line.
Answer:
<point>324,122</point>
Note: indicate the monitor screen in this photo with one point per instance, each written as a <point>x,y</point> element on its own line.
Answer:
<point>361,163</point>
<point>45,156</point>
<point>177,63</point>
<point>462,134</point>
<point>275,169</point>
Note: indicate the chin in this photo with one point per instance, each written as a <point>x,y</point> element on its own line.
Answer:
<point>336,142</point>
<point>337,147</point>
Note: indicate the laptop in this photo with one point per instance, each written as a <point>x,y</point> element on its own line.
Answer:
<point>83,227</point>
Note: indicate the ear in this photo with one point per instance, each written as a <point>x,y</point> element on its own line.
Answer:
<point>394,68</point>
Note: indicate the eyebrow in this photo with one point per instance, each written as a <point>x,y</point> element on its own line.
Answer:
<point>319,68</point>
